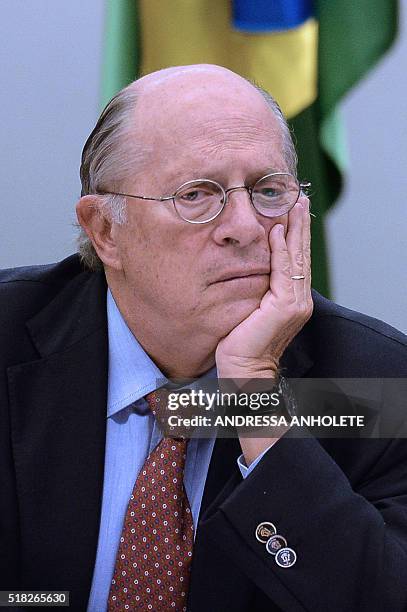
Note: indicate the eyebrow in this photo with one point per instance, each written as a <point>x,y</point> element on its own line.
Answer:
<point>179,178</point>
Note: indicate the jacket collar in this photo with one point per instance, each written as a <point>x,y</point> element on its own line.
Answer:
<point>75,313</point>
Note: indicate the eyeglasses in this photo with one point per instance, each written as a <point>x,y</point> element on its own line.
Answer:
<point>202,200</point>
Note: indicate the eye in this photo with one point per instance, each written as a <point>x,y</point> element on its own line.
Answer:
<point>272,188</point>
<point>268,192</point>
<point>193,195</point>
<point>200,193</point>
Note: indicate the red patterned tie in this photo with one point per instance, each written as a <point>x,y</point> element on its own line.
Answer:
<point>155,552</point>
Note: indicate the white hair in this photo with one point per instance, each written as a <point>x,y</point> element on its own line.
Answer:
<point>106,164</point>
<point>289,151</point>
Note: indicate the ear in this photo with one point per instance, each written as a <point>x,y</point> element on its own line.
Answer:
<point>99,229</point>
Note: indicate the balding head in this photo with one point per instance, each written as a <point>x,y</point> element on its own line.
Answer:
<point>160,110</point>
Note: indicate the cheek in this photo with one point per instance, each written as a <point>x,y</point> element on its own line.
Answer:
<point>163,264</point>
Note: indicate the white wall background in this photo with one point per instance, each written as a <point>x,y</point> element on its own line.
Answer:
<point>367,230</point>
<point>49,99</point>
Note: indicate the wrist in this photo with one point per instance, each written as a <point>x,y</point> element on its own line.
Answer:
<point>253,396</point>
<point>253,448</point>
<point>240,368</point>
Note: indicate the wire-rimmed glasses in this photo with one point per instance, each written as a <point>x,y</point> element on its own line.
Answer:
<point>202,200</point>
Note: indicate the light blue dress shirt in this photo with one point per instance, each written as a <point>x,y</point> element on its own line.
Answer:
<point>131,435</point>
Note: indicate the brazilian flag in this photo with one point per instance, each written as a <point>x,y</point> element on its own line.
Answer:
<point>306,53</point>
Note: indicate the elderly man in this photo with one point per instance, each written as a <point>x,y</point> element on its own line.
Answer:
<point>195,259</point>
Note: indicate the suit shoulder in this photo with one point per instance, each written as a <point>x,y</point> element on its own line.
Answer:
<point>356,321</point>
<point>25,290</point>
<point>46,274</point>
<point>367,345</point>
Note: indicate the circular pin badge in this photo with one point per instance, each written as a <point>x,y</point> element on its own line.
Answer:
<point>286,557</point>
<point>275,543</point>
<point>264,531</point>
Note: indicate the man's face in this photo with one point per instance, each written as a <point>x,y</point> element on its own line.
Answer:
<point>203,279</point>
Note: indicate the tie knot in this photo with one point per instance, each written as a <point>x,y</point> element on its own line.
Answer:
<point>158,404</point>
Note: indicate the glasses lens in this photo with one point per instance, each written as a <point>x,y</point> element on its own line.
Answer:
<point>199,201</point>
<point>275,194</point>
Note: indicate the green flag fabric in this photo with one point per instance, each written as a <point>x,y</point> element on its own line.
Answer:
<point>120,62</point>
<point>353,36</point>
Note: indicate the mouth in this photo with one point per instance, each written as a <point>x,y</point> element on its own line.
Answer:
<point>243,275</point>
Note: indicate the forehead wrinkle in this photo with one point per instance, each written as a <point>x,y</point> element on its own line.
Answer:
<point>243,142</point>
<point>233,124</point>
<point>215,138</point>
<point>188,138</point>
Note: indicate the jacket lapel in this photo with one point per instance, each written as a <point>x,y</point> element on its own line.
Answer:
<point>58,403</point>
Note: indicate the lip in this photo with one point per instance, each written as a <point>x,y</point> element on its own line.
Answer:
<point>236,274</point>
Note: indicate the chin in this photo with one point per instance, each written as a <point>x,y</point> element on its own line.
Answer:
<point>231,314</point>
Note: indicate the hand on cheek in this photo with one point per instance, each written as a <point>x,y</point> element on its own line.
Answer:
<point>254,348</point>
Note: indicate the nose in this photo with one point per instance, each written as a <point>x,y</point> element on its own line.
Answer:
<point>238,224</point>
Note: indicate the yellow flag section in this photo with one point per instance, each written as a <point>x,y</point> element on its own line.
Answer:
<point>181,32</point>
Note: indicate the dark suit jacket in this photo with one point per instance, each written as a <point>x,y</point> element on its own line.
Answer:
<point>341,504</point>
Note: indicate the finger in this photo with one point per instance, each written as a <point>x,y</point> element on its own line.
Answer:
<point>295,245</point>
<point>306,236</point>
<point>280,273</point>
